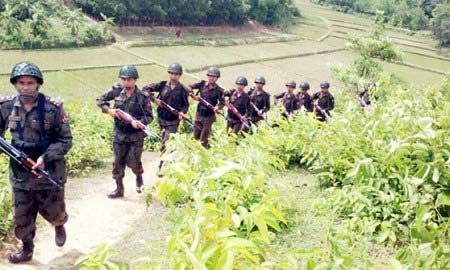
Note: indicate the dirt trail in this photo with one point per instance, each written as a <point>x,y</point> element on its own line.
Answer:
<point>94,219</point>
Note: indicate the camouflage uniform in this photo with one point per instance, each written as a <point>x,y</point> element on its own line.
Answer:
<point>205,117</point>
<point>128,142</point>
<point>261,101</point>
<point>177,98</point>
<point>41,132</point>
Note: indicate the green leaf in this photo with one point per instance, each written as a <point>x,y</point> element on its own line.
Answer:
<point>443,199</point>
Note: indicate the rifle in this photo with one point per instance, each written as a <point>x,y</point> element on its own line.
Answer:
<point>172,110</point>
<point>237,114</point>
<point>259,110</point>
<point>361,101</point>
<point>322,111</point>
<point>206,103</point>
<point>128,119</point>
<point>26,162</point>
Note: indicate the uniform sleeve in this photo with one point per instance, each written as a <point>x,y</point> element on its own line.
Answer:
<point>331,104</point>
<point>228,93</point>
<point>185,101</point>
<point>249,108</point>
<point>315,96</point>
<point>147,111</point>
<point>103,100</point>
<point>2,121</point>
<point>279,96</point>
<point>266,103</point>
<point>62,140</point>
<point>154,87</point>
<point>221,103</point>
<point>197,85</point>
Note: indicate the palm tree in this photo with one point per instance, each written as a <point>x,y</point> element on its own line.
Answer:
<point>74,20</point>
<point>106,24</point>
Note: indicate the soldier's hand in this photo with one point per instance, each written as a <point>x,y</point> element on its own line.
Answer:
<point>135,124</point>
<point>112,112</point>
<point>243,118</point>
<point>261,113</point>
<point>39,164</point>
<point>216,109</point>
<point>182,116</point>
<point>158,102</point>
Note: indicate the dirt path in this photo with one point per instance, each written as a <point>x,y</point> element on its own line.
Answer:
<point>94,220</point>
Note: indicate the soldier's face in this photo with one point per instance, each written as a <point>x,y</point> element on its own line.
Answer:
<point>324,90</point>
<point>27,85</point>
<point>212,79</point>
<point>259,86</point>
<point>240,87</point>
<point>128,83</point>
<point>290,89</point>
<point>174,77</point>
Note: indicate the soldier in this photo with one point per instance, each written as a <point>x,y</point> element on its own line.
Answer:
<point>213,94</point>
<point>288,99</point>
<point>240,101</point>
<point>260,100</point>
<point>128,142</point>
<point>304,99</point>
<point>176,95</point>
<point>39,127</point>
<point>364,96</point>
<point>325,102</point>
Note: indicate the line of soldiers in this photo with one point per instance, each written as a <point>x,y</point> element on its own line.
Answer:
<point>245,108</point>
<point>40,129</point>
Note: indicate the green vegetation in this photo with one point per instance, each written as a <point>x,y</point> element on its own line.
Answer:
<point>48,24</point>
<point>414,15</point>
<point>215,12</point>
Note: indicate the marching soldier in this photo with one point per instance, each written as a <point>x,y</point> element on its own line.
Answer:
<point>40,128</point>
<point>128,143</point>
<point>260,100</point>
<point>212,93</point>
<point>325,102</point>
<point>175,94</point>
<point>239,108</point>
<point>288,99</point>
<point>304,99</point>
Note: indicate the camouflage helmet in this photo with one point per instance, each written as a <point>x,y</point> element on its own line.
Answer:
<point>26,69</point>
<point>128,71</point>
<point>260,79</point>
<point>304,86</point>
<point>291,84</point>
<point>324,85</point>
<point>213,71</point>
<point>241,80</point>
<point>175,68</point>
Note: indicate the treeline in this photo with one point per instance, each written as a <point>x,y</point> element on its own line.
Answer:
<point>48,24</point>
<point>416,15</point>
<point>193,12</point>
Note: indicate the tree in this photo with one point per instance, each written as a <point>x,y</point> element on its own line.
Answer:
<point>74,20</point>
<point>440,24</point>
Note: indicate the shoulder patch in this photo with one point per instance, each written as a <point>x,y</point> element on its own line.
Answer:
<point>55,101</point>
<point>117,85</point>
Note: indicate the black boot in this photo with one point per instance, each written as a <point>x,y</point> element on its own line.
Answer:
<point>139,183</point>
<point>60,235</point>
<point>118,192</point>
<point>24,255</point>
<point>161,163</point>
